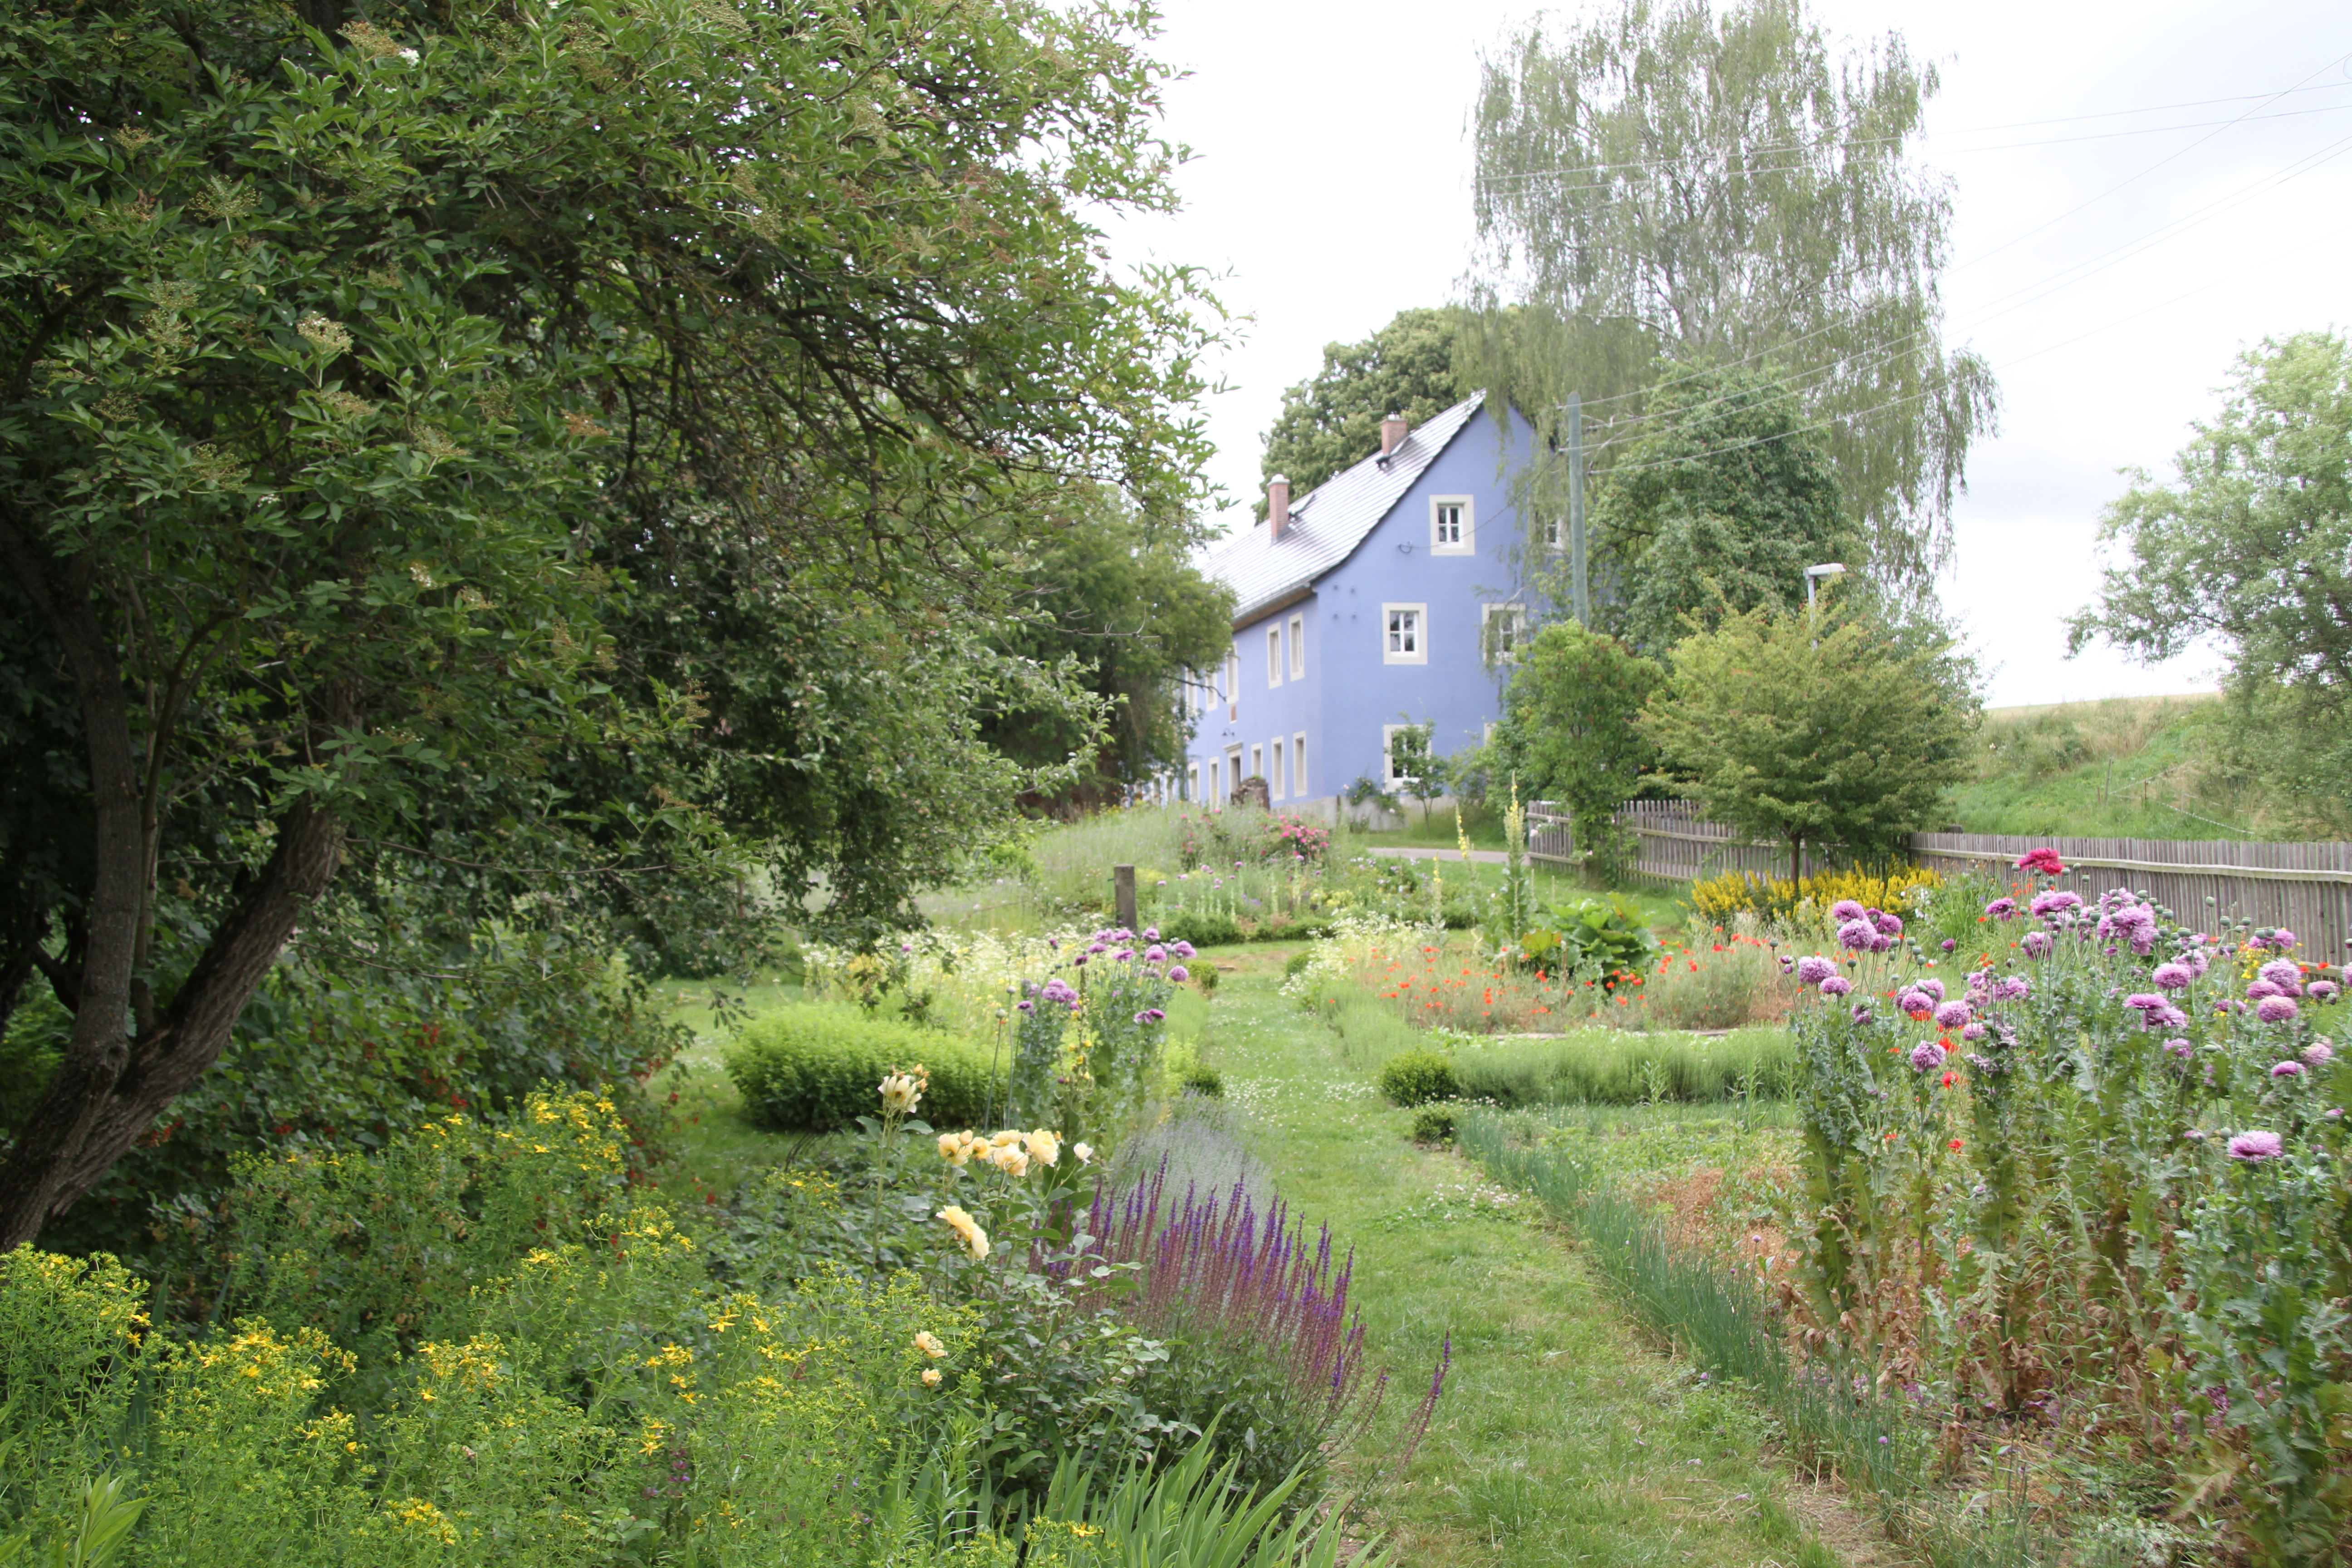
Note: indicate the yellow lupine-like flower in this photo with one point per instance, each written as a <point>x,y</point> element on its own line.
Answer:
<point>975,1240</point>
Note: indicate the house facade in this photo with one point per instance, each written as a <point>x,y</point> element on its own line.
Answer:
<point>1388,595</point>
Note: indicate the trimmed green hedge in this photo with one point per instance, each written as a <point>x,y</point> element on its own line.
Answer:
<point>817,1067</point>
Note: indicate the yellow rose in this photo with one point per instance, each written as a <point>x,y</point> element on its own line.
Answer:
<point>901,1094</point>
<point>1011,1135</point>
<point>929,1343</point>
<point>1044,1147</point>
<point>975,1240</point>
<point>1085,1152</point>
<point>956,1148</point>
<point>1012,1160</point>
<point>931,1377</point>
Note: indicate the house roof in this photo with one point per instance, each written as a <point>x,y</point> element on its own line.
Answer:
<point>1329,521</point>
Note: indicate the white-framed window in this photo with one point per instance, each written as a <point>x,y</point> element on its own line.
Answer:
<point>1390,774</point>
<point>1555,533</point>
<point>1234,774</point>
<point>1274,656</point>
<point>1298,765</point>
<point>1216,801</point>
<point>1404,633</point>
<point>1233,682</point>
<point>1299,648</point>
<point>1273,779</point>
<point>1503,629</point>
<point>1257,763</point>
<point>1192,783</point>
<point>1453,526</point>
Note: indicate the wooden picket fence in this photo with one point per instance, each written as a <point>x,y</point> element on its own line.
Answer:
<point>2305,886</point>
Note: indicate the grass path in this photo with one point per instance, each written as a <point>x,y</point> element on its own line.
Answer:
<point>1562,1438</point>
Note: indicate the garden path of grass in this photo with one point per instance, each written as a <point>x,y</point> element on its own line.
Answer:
<point>1562,1436</point>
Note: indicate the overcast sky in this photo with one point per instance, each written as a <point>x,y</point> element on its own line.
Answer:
<point>1332,183</point>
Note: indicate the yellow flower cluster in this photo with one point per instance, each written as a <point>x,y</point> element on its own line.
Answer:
<point>1012,1151</point>
<point>975,1240</point>
<point>1901,890</point>
<point>415,1513</point>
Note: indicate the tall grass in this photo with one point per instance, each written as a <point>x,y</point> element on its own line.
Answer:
<point>1609,1067</point>
<point>1834,1419</point>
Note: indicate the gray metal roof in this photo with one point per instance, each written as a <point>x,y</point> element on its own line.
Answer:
<point>1329,521</point>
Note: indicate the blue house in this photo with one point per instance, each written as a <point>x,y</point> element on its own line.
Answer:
<point>1390,595</point>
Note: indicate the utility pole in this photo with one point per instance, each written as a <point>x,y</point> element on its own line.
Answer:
<point>1581,589</point>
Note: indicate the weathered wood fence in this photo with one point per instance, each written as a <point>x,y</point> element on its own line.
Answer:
<point>2305,887</point>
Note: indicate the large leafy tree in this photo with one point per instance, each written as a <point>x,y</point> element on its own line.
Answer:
<point>395,402</point>
<point>1572,736</point>
<point>1719,504</point>
<point>1663,181</point>
<point>1829,729</point>
<point>1333,419</point>
<point>2251,548</point>
<point>1112,596</point>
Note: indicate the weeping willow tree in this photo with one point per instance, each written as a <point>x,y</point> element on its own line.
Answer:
<point>1661,189</point>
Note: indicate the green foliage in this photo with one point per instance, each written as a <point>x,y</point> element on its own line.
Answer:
<point>2249,549</point>
<point>1197,1513</point>
<point>1334,421</point>
<point>1199,1077</point>
<point>1416,1077</point>
<point>1570,736</point>
<point>1722,498</point>
<point>1433,1123</point>
<point>1825,730</point>
<point>1415,764</point>
<point>816,1067</point>
<point>1608,1067</point>
<point>1600,941</point>
<point>1630,210</point>
<point>1113,591</point>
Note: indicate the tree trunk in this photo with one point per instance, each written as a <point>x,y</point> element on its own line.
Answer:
<point>111,1086</point>
<point>1796,863</point>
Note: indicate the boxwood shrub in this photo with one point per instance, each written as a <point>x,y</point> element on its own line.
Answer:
<point>818,1067</point>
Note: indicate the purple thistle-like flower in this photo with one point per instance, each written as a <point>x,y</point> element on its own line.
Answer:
<point>1887,924</point>
<point>2321,990</point>
<point>2037,943</point>
<point>1813,970</point>
<point>1927,1056</point>
<point>1181,949</point>
<point>1026,1006</point>
<point>2288,1069</point>
<point>2262,988</point>
<point>2276,1009</point>
<point>1861,1016</point>
<point>1152,933</point>
<point>1932,986</point>
<point>2172,976</point>
<point>1973,1032</point>
<point>1953,1015</point>
<point>1846,909</point>
<point>2001,909</point>
<point>2013,988</point>
<point>2057,900</point>
<point>1155,953</point>
<point>2143,1002</point>
<point>2179,1048</point>
<point>2319,1053</point>
<point>1180,975</point>
<point>2283,939</point>
<point>1950,944</point>
<point>2257,1145</point>
<point>1857,933</point>
<point>1836,985</point>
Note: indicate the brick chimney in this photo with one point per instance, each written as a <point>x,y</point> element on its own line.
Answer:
<point>1277,503</point>
<point>1393,429</point>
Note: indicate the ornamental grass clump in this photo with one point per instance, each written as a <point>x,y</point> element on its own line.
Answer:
<point>2088,1178</point>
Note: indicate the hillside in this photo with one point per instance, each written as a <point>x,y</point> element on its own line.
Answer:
<point>2126,767</point>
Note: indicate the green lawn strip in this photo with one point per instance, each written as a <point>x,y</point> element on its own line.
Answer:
<point>1562,1438</point>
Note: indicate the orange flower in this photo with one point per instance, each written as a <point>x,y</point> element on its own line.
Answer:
<point>1956,1145</point>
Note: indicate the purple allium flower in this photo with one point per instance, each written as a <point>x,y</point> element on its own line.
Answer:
<point>1932,986</point>
<point>1856,933</point>
<point>2283,939</point>
<point>2037,943</point>
<point>1881,942</point>
<point>2284,973</point>
<point>1812,969</point>
<point>2319,1053</point>
<point>1861,1016</point>
<point>1152,933</point>
<point>2262,988</point>
<point>1836,985</point>
<point>2001,909</point>
<point>1913,1000</point>
<point>1888,925</point>
<point>2013,988</point>
<point>2055,901</point>
<point>1180,975</point>
<point>2321,990</point>
<point>1953,1015</point>
<point>1973,1032</point>
<point>2177,1048</point>
<point>1846,909</point>
<point>2275,1009</point>
<point>2257,1145</point>
<point>1927,1056</point>
<point>2288,1069</point>
<point>1155,953</point>
<point>1181,949</point>
<point>2172,976</point>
